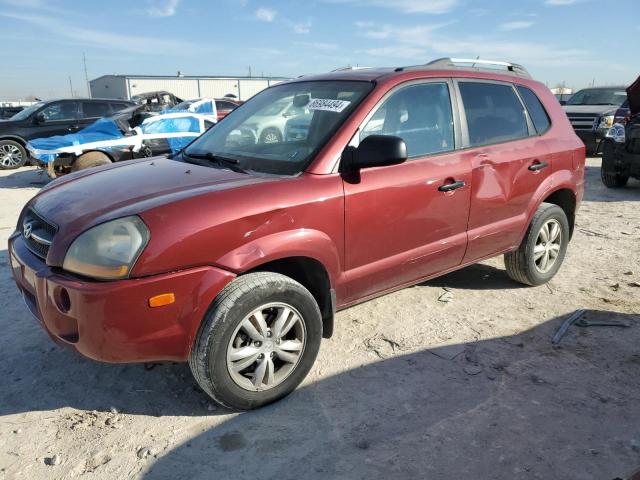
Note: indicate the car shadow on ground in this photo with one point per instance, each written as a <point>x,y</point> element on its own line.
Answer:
<point>32,177</point>
<point>478,276</point>
<point>503,408</point>
<point>597,192</point>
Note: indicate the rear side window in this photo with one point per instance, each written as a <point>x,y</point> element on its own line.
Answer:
<point>95,109</point>
<point>538,114</point>
<point>494,113</point>
<point>420,115</point>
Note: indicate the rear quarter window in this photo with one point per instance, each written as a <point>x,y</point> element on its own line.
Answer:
<point>537,112</point>
<point>494,113</point>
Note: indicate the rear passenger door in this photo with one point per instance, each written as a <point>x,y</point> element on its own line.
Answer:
<point>405,222</point>
<point>510,162</point>
<point>92,111</point>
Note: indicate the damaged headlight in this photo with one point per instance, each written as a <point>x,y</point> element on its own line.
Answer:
<point>108,251</point>
<point>616,133</point>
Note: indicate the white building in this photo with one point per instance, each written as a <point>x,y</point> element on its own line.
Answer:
<point>185,87</point>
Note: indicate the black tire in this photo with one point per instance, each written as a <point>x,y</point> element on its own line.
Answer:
<point>520,263</point>
<point>615,179</point>
<point>271,135</point>
<point>90,160</point>
<point>8,160</point>
<point>208,359</point>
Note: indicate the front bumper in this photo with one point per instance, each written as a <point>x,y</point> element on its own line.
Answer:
<point>112,321</point>
<point>592,138</point>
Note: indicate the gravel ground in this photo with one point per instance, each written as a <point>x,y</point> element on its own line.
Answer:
<point>410,386</point>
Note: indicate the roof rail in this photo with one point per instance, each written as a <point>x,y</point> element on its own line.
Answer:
<point>472,63</point>
<point>345,69</point>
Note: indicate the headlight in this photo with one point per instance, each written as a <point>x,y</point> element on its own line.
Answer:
<point>606,122</point>
<point>616,133</point>
<point>108,251</point>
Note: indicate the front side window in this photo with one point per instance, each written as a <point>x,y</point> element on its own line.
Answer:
<point>420,115</point>
<point>536,110</point>
<point>27,112</point>
<point>60,112</point>
<point>494,113</point>
<point>281,129</point>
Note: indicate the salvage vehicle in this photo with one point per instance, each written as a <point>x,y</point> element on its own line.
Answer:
<point>226,105</point>
<point>128,134</point>
<point>621,152</point>
<point>156,101</point>
<point>234,255</point>
<point>591,112</point>
<point>45,119</point>
<point>268,125</point>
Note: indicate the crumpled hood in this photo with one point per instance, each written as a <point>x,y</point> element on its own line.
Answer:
<point>78,201</point>
<point>594,109</point>
<point>633,95</point>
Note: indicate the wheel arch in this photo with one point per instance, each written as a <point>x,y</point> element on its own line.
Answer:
<point>15,138</point>
<point>565,198</point>
<point>95,150</point>
<point>312,275</point>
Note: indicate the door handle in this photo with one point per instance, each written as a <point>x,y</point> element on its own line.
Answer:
<point>535,166</point>
<point>448,187</point>
<point>73,127</point>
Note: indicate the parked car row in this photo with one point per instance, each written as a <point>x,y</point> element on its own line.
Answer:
<point>27,134</point>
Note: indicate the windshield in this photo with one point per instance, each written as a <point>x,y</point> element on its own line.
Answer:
<point>598,96</point>
<point>281,129</point>
<point>26,113</point>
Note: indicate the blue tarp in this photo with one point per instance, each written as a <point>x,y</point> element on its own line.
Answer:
<point>103,129</point>
<point>170,125</point>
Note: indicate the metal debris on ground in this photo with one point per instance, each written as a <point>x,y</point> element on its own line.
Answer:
<point>446,296</point>
<point>578,318</point>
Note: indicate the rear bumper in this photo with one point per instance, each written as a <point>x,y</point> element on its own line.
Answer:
<point>112,321</point>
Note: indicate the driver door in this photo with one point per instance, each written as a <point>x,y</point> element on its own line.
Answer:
<point>59,118</point>
<point>405,222</point>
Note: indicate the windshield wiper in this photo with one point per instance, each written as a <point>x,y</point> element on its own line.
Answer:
<point>230,163</point>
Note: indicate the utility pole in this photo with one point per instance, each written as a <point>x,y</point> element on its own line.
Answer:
<point>249,71</point>
<point>86,75</point>
<point>70,86</point>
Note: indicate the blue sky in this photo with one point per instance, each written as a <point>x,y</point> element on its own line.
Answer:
<point>575,41</point>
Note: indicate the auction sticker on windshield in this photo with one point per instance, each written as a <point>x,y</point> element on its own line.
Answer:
<point>328,105</point>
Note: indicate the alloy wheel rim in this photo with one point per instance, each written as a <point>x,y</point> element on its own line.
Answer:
<point>10,155</point>
<point>266,347</point>
<point>270,138</point>
<point>548,246</point>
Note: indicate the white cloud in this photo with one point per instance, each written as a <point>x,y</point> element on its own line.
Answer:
<point>106,39</point>
<point>162,8</point>
<point>407,6</point>
<point>515,25</point>
<point>421,43</point>
<point>299,27</point>
<point>266,14</point>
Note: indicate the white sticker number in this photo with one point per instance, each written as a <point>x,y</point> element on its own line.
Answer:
<point>328,105</point>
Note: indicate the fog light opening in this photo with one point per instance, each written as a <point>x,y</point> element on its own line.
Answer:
<point>63,300</point>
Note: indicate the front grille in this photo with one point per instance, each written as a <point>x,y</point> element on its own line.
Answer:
<point>37,233</point>
<point>583,121</point>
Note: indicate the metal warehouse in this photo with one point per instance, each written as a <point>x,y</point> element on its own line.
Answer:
<point>185,87</point>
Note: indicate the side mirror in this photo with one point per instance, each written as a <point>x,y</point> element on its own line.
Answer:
<point>563,102</point>
<point>375,151</point>
<point>39,118</point>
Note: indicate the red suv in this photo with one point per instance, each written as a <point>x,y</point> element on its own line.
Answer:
<point>236,253</point>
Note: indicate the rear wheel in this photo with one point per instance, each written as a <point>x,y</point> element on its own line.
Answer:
<point>258,341</point>
<point>539,256</point>
<point>12,155</point>
<point>90,160</point>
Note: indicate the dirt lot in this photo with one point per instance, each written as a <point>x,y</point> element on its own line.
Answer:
<point>410,386</point>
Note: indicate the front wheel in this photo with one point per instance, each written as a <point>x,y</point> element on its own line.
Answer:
<point>611,178</point>
<point>539,256</point>
<point>12,155</point>
<point>257,342</point>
